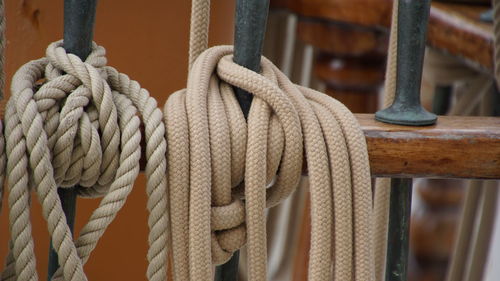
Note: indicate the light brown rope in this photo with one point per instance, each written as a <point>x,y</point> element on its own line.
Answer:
<point>218,178</point>
<point>80,127</point>
<point>382,185</point>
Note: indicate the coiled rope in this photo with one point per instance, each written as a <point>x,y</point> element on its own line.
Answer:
<point>71,122</point>
<point>227,173</point>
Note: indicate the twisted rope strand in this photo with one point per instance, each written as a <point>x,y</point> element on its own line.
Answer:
<point>80,127</point>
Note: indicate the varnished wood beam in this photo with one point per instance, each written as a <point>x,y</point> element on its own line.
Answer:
<point>456,147</point>
<point>457,30</point>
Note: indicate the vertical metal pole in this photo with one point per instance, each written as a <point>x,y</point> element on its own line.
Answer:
<point>441,101</point>
<point>229,270</point>
<point>413,17</point>
<point>79,18</point>
<point>251,19</point>
<point>250,28</point>
<point>399,230</point>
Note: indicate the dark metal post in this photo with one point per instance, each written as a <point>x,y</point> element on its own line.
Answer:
<point>399,226</point>
<point>250,19</point>
<point>413,17</point>
<point>79,17</point>
<point>441,101</point>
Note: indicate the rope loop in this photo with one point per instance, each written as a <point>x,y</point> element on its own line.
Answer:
<point>230,170</point>
<point>72,122</point>
<point>76,103</point>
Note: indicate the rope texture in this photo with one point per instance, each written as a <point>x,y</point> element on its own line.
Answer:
<point>229,171</point>
<point>70,122</point>
<point>382,185</point>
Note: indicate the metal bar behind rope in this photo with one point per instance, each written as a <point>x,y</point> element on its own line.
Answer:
<point>79,18</point>
<point>413,17</point>
<point>399,224</point>
<point>250,19</point>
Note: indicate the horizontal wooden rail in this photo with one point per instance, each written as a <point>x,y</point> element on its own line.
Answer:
<point>456,147</point>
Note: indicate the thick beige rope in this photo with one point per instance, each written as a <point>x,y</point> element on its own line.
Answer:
<point>227,173</point>
<point>382,185</point>
<point>80,127</point>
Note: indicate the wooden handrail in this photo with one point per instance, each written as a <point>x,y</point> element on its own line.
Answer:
<point>456,147</point>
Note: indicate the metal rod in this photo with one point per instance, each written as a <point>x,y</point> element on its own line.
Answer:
<point>79,18</point>
<point>441,100</point>
<point>413,17</point>
<point>250,28</point>
<point>251,19</point>
<point>68,201</point>
<point>229,270</point>
<point>399,230</point>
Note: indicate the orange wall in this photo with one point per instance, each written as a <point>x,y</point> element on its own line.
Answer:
<point>147,40</point>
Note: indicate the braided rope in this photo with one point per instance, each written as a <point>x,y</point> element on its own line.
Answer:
<point>53,140</point>
<point>230,170</point>
<point>198,39</point>
<point>206,183</point>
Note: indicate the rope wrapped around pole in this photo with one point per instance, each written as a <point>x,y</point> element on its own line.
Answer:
<point>79,126</point>
<point>223,178</point>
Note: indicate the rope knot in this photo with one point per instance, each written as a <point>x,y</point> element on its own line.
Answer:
<point>228,230</point>
<point>72,122</point>
<point>77,103</point>
<point>231,169</point>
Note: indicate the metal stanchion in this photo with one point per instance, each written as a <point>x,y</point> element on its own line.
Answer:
<point>79,18</point>
<point>413,16</point>
<point>251,18</point>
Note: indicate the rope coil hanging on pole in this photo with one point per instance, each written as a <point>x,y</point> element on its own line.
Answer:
<point>80,127</point>
<point>227,160</point>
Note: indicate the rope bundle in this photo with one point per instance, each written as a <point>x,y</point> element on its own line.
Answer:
<point>75,123</point>
<point>229,165</point>
<point>70,122</point>
<point>227,160</point>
